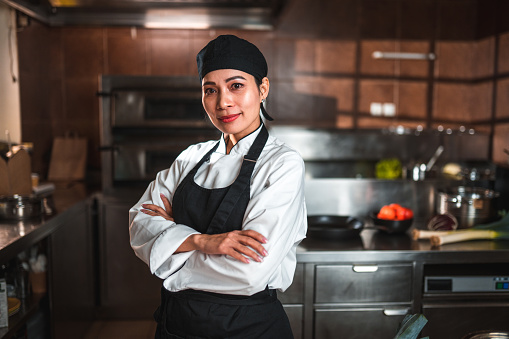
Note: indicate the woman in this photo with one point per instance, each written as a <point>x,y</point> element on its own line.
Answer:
<point>222,224</point>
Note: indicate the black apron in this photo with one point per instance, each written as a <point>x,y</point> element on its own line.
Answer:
<point>198,314</point>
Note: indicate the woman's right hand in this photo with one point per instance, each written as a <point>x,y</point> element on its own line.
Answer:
<point>239,245</point>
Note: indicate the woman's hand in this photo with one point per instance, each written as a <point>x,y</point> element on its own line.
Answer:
<point>157,211</point>
<point>239,245</point>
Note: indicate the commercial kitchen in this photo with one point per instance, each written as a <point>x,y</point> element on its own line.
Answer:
<point>387,101</point>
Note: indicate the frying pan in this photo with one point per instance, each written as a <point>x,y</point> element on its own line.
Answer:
<point>334,227</point>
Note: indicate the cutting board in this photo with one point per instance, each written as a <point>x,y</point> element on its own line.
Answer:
<point>20,173</point>
<point>15,174</point>
<point>5,187</point>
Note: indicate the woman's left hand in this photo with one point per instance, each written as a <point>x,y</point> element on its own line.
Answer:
<point>157,211</point>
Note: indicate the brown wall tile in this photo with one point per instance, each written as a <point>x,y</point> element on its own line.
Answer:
<point>170,56</point>
<point>484,58</point>
<point>413,68</point>
<point>377,66</point>
<point>481,101</point>
<point>454,59</point>
<point>127,54</point>
<point>502,106</point>
<point>462,102</point>
<point>501,142</point>
<point>412,99</point>
<point>503,53</point>
<point>82,52</point>
<point>451,101</point>
<point>381,91</point>
<point>334,56</point>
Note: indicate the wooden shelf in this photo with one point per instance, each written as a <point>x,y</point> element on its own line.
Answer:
<point>29,307</point>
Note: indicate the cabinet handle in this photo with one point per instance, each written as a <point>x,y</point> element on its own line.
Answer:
<point>365,268</point>
<point>396,311</point>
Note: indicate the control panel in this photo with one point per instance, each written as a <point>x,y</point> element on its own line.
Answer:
<point>460,284</point>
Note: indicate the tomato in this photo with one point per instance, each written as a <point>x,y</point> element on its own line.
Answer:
<point>387,213</point>
<point>409,214</point>
<point>395,212</point>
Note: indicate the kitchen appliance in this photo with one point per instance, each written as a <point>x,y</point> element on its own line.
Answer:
<point>470,205</point>
<point>146,122</point>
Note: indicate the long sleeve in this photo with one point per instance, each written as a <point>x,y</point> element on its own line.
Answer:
<point>276,210</point>
<point>155,239</point>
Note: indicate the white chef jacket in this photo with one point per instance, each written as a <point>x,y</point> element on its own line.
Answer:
<point>276,209</point>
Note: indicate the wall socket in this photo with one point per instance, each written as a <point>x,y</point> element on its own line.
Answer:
<point>387,109</point>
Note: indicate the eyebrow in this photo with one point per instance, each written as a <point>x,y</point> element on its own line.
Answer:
<point>227,80</point>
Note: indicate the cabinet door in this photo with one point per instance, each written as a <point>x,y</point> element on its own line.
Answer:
<point>363,283</point>
<point>358,323</point>
<point>455,320</point>
<point>128,289</point>
<point>72,275</point>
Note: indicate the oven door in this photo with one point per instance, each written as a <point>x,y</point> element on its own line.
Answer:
<point>174,107</point>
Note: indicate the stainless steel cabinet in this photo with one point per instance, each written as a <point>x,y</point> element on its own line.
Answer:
<point>361,301</point>
<point>363,283</point>
<point>127,288</point>
<point>358,322</point>
<point>454,320</point>
<point>293,302</point>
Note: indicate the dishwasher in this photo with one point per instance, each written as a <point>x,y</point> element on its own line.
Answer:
<point>466,301</point>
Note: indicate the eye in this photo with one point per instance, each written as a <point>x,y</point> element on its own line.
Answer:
<point>208,91</point>
<point>237,85</point>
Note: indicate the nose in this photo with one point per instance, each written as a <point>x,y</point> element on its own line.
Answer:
<point>224,100</point>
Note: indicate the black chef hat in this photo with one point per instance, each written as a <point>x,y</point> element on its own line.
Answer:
<point>231,52</point>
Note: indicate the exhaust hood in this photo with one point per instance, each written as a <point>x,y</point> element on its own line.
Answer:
<point>172,14</point>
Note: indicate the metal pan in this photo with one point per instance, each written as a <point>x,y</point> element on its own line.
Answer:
<point>334,227</point>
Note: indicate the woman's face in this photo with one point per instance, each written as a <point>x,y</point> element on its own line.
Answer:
<point>232,100</point>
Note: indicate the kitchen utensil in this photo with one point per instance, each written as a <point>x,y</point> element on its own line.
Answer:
<point>434,158</point>
<point>19,207</point>
<point>487,335</point>
<point>421,170</point>
<point>470,205</point>
<point>390,226</point>
<point>334,227</point>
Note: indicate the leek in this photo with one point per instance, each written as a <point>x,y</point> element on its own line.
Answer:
<point>493,231</point>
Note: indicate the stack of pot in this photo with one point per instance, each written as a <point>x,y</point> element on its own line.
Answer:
<point>470,205</point>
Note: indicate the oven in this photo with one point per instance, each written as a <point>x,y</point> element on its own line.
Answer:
<point>146,121</point>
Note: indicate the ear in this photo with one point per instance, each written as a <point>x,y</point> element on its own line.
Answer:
<point>264,88</point>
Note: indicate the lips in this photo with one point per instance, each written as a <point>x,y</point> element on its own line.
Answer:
<point>229,118</point>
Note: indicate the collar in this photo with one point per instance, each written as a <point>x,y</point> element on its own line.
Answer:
<point>242,146</point>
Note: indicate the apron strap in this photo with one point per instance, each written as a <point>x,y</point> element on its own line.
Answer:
<point>240,185</point>
<point>192,173</point>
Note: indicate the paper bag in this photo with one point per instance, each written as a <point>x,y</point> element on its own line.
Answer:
<point>68,159</point>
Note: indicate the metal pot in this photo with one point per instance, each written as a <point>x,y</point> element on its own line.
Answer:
<point>18,207</point>
<point>470,205</point>
<point>487,335</point>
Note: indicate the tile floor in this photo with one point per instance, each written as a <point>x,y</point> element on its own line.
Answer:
<point>125,329</point>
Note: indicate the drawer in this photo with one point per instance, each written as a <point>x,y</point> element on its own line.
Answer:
<point>363,283</point>
<point>295,293</point>
<point>358,323</point>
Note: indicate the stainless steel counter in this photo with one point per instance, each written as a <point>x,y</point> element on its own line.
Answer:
<point>373,245</point>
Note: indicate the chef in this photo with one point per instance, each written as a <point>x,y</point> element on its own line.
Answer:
<point>222,224</point>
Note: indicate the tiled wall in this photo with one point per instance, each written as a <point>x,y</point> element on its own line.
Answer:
<point>320,67</point>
